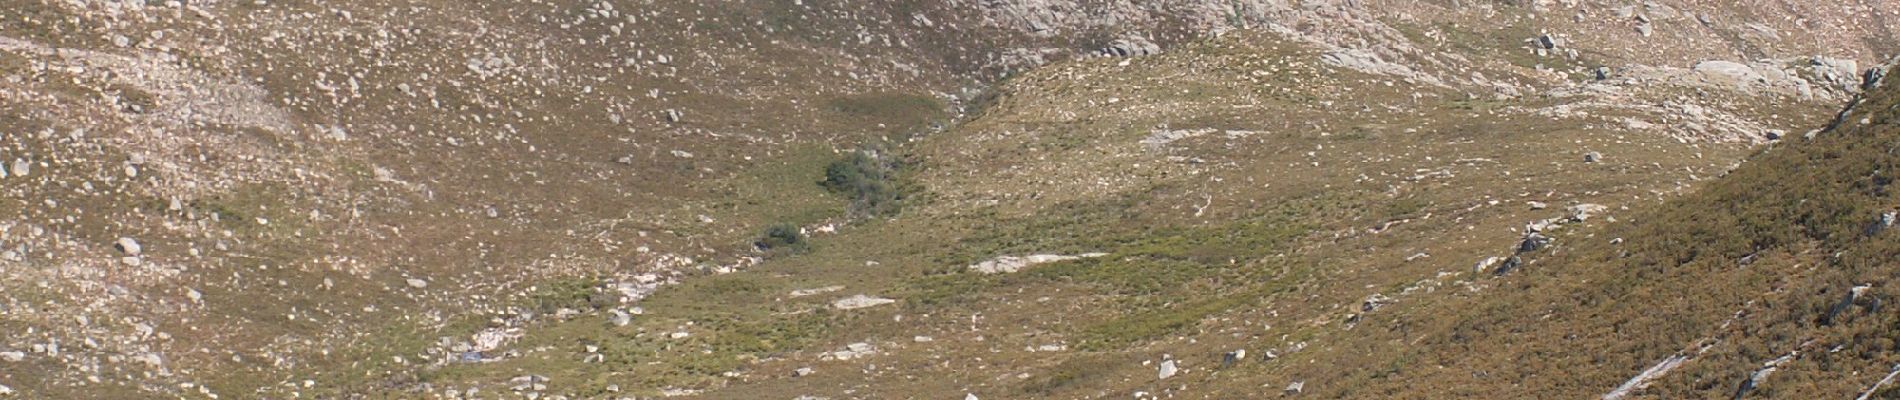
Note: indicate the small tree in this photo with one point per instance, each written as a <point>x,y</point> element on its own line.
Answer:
<point>868,179</point>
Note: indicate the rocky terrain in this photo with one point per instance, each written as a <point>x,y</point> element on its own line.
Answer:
<point>952,199</point>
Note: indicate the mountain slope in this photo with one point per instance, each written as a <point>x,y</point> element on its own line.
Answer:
<point>422,199</point>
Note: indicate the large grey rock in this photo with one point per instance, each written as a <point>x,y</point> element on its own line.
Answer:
<point>1838,72</point>
<point>1168,369</point>
<point>1728,71</point>
<point>1533,242</point>
<point>1131,46</point>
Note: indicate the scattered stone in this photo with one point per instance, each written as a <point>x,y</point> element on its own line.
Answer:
<point>1375,302</point>
<point>417,283</point>
<point>6,391</point>
<point>1592,157</point>
<point>803,371</point>
<point>860,301</point>
<point>674,115</point>
<point>619,318</point>
<point>1168,369</point>
<point>22,168</point>
<point>1603,73</point>
<point>526,383</point>
<point>1538,205</point>
<point>12,356</point>
<point>852,351</point>
<point>1296,387</point>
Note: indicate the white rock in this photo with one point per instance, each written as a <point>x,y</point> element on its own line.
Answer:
<point>620,318</point>
<point>492,339</point>
<point>1009,264</point>
<point>418,283</point>
<point>1168,369</point>
<point>860,301</point>
<point>12,356</point>
<point>129,246</point>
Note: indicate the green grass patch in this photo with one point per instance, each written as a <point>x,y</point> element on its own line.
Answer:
<point>897,111</point>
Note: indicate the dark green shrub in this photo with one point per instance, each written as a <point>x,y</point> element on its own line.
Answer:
<point>869,179</point>
<point>781,236</point>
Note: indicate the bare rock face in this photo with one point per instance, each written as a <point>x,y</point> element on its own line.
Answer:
<point>498,148</point>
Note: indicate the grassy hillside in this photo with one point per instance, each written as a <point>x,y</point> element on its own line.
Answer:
<point>1754,266</point>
